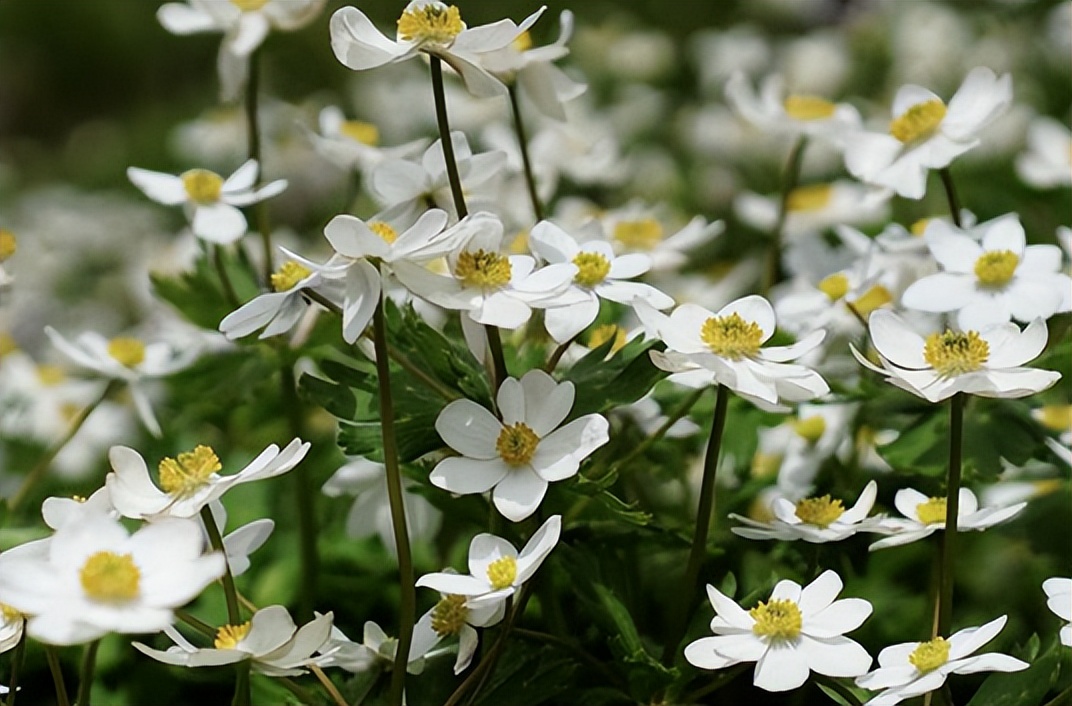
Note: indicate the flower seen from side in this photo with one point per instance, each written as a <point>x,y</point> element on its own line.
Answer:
<point>923,516</point>
<point>1059,600</point>
<point>817,519</point>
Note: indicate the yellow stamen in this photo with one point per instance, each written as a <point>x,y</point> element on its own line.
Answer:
<point>523,41</point>
<point>592,268</point>
<point>128,351</point>
<point>821,512</point>
<point>931,512</point>
<point>811,428</point>
<point>449,615</point>
<point>731,336</point>
<point>9,614</point>
<point>365,133</point>
<point>110,577</point>
<point>802,107</point>
<point>228,636</point>
<point>385,231</point>
<point>483,269</point>
<point>249,5</point>
<point>996,267</point>
<point>1056,417</point>
<point>919,227</point>
<point>202,185</point>
<point>520,244</point>
<point>517,444</point>
<point>287,277</point>
<point>777,619</point>
<point>874,298</point>
<point>930,655</point>
<point>810,198</point>
<point>191,470</point>
<point>434,23</point>
<point>765,465</point>
<point>642,234</point>
<point>8,244</point>
<point>602,334</point>
<point>919,121</point>
<point>955,353</point>
<point>7,344</point>
<point>834,286</point>
<point>502,572</point>
<point>50,375</point>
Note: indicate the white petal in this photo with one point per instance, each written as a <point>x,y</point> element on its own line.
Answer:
<point>465,476</point>
<point>836,656</point>
<point>537,548</point>
<point>896,341</point>
<point>723,651</point>
<point>547,402</point>
<point>469,429</point>
<point>162,188</point>
<point>781,668</point>
<point>218,223</point>
<point>944,291</point>
<point>559,455</point>
<point>362,298</point>
<point>755,309</point>
<point>518,494</point>
<point>820,593</point>
<point>357,43</point>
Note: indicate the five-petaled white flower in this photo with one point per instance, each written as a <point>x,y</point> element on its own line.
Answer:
<point>923,516</point>
<point>796,632</point>
<point>794,114</point>
<point>353,144</point>
<point>454,614</point>
<point>1059,600</point>
<point>816,520</point>
<point>987,363</point>
<point>914,668</point>
<point>516,457</point>
<point>210,201</point>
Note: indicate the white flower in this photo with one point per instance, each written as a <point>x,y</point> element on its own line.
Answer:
<point>188,482</point>
<point>93,577</point>
<point>455,615</point>
<point>926,134</point>
<point>211,202</point>
<point>704,348</point>
<point>802,306</point>
<point>797,631</point>
<point>1047,163</point>
<point>12,624</point>
<point>815,207</point>
<point>793,114</point>
<point>517,457</point>
<point>816,520</point>
<point>633,229</point>
<point>923,516</point>
<point>430,27</point>
<point>353,144</point>
<point>275,646</point>
<point>600,275</point>
<point>376,648</point>
<point>985,363</point>
<point>1059,600</point>
<point>914,668</point>
<point>991,281</point>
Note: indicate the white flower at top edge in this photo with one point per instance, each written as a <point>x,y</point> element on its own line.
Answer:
<point>795,632</point>
<point>1059,600</point>
<point>914,668</point>
<point>815,207</point>
<point>775,111</point>
<point>923,516</point>
<point>517,457</point>
<point>210,201</point>
<point>927,134</point>
<point>987,363</point>
<point>816,520</point>
<point>1047,162</point>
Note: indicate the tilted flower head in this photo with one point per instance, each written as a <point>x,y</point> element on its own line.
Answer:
<point>704,348</point>
<point>516,457</point>
<point>12,624</point>
<point>796,632</point>
<point>987,363</point>
<point>430,27</point>
<point>270,640</point>
<point>636,229</point>
<point>927,134</point>
<point>210,201</point>
<point>189,481</point>
<point>794,114</point>
<point>93,577</point>
<point>923,516</point>
<point>455,615</point>
<point>990,275</point>
<point>815,207</point>
<point>914,668</point>
<point>353,144</point>
<point>1059,600</point>
<point>816,520</point>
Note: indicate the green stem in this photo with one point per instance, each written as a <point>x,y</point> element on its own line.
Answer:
<point>772,273</point>
<point>17,658</point>
<point>724,677</point>
<point>38,472</point>
<point>305,500</point>
<point>952,507</point>
<point>241,690</point>
<point>444,137</point>
<point>253,138</point>
<point>225,279</point>
<point>304,695</point>
<point>53,659</point>
<point>556,356</point>
<point>498,359</point>
<point>575,649</point>
<point>85,678</point>
<point>477,676</point>
<point>1062,699</point>
<point>951,195</point>
<point>196,623</point>
<point>522,140</point>
<point>680,411</point>
<point>703,523</point>
<point>234,617</point>
<point>408,601</point>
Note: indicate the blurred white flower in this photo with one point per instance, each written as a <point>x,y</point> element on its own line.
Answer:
<point>775,111</point>
<point>1047,162</point>
<point>815,207</point>
<point>817,520</point>
<point>355,145</point>
<point>1059,600</point>
<point>924,516</point>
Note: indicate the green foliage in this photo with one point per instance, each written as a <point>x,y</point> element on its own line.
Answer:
<point>198,294</point>
<point>603,384</point>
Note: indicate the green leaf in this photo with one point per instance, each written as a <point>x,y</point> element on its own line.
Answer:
<point>1026,688</point>
<point>198,294</point>
<point>623,379</point>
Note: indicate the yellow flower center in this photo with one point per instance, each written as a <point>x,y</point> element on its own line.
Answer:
<point>1057,417</point>
<point>520,244</point>
<point>955,353</point>
<point>874,298</point>
<point>592,268</point>
<point>808,107</point>
<point>202,186</point>
<point>70,411</point>
<point>604,333</point>
<point>434,23</point>
<point>110,577</point>
<point>765,464</point>
<point>834,286</point>
<point>9,614</point>
<point>385,231</point>
<point>931,512</point>
<point>365,133</point>
<point>8,244</point>
<point>7,344</point>
<point>502,572</point>
<point>523,41</point>
<point>996,267</point>
<point>483,269</point>
<point>731,336</point>
<point>811,428</point>
<point>919,227</point>
<point>777,619</point>
<point>517,444</point>
<point>50,375</point>
<point>287,277</point>
<point>183,475</point>
<point>810,198</point>
<point>128,351</point>
<point>643,234</point>
<point>930,655</point>
<point>249,5</point>
<point>448,616</point>
<point>228,636</point>
<point>821,512</point>
<point>919,121</point>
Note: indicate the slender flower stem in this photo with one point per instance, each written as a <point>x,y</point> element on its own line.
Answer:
<point>38,471</point>
<point>85,677</point>
<point>234,616</point>
<point>772,273</point>
<point>477,676</point>
<point>556,356</point>
<point>253,139</point>
<point>53,658</point>
<point>328,686</point>
<point>196,623</point>
<point>703,523</point>
<point>241,693</point>
<point>498,358</point>
<point>951,195</point>
<point>304,695</point>
<point>17,658</point>
<point>444,137</point>
<point>522,140</point>
<point>306,497</point>
<point>225,279</point>
<point>408,602</point>
<point>682,409</point>
<point>952,507</point>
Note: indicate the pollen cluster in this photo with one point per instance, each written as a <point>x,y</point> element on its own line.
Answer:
<point>502,572</point>
<point>996,267</point>
<point>731,336</point>
<point>517,444</point>
<point>358,131</point>
<point>809,198</point>
<point>110,577</point>
<point>128,351</point>
<point>183,475</point>
<point>592,268</point>
<point>821,512</point>
<point>287,277</point>
<point>642,234</point>
<point>228,636</point>
<point>955,353</point>
<point>384,230</point>
<point>931,512</point>
<point>808,107</point>
<point>483,269</point>
<point>919,121</point>
<point>434,23</point>
<point>448,616</point>
<point>249,5</point>
<point>202,186</point>
<point>930,655</point>
<point>777,619</point>
<point>834,286</point>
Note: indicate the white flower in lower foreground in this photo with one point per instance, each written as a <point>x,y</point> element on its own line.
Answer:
<point>275,646</point>
<point>924,516</point>
<point>1059,600</point>
<point>914,668</point>
<point>96,578</point>
<point>459,615</point>
<point>796,632</point>
<point>189,481</point>
<point>817,520</point>
<point>516,457</point>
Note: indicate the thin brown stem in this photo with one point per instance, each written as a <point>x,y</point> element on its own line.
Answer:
<point>328,686</point>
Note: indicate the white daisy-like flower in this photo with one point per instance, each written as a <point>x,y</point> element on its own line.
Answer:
<point>796,632</point>
<point>635,229</point>
<point>1059,600</point>
<point>923,516</point>
<point>987,363</point>
<point>990,275</point>
<point>817,520</point>
<point>210,201</point>
<point>914,668</point>
<point>600,275</point>
<point>705,348</point>
<point>516,457</point>
<point>772,110</point>
<point>376,649</point>
<point>93,577</point>
<point>1047,162</point>
<point>815,207</point>
<point>430,27</point>
<point>354,144</point>
<point>833,304</point>
<point>927,134</point>
<point>270,640</point>
<point>455,615</point>
<point>126,359</point>
<point>189,481</point>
